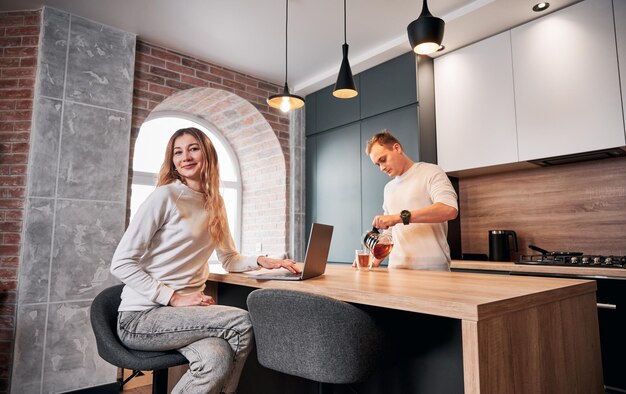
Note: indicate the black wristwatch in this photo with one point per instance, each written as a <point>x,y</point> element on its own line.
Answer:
<point>405,216</point>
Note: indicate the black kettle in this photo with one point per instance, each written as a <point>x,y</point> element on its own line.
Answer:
<point>499,245</point>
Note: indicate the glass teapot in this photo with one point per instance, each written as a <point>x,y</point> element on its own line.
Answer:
<point>379,244</point>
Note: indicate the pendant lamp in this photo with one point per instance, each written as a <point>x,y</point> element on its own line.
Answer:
<point>426,32</point>
<point>345,88</point>
<point>285,101</point>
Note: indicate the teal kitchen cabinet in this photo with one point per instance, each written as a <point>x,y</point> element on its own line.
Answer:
<point>388,86</point>
<point>402,123</point>
<point>334,187</point>
<point>344,188</point>
<point>331,112</point>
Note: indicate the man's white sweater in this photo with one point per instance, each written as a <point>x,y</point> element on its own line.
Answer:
<point>419,245</point>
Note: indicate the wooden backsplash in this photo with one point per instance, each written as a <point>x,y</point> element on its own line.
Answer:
<point>572,207</point>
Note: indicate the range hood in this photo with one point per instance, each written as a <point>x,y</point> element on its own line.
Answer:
<point>578,157</point>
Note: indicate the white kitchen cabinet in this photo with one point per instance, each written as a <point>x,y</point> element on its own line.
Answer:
<point>567,88</point>
<point>475,106</point>
<point>619,7</point>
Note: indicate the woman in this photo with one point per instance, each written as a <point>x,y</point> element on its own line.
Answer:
<point>162,258</point>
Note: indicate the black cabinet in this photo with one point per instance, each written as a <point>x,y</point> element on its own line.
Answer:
<point>611,317</point>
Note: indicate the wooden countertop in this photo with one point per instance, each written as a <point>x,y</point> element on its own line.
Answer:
<point>459,295</point>
<point>538,269</point>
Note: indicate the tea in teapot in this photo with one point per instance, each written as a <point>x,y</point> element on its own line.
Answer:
<point>379,244</point>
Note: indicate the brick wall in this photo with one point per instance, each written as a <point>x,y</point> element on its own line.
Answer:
<point>19,37</point>
<point>160,73</point>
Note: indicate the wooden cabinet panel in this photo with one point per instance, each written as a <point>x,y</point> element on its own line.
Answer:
<point>566,82</point>
<point>475,107</point>
<point>388,86</point>
<point>338,188</point>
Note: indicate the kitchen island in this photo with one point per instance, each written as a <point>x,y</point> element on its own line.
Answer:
<point>518,334</point>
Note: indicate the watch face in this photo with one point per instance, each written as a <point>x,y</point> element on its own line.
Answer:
<point>405,216</point>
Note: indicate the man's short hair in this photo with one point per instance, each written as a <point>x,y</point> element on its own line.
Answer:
<point>384,138</point>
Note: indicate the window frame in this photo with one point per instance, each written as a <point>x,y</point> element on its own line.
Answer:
<point>150,179</point>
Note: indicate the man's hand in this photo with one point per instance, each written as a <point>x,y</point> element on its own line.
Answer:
<point>194,299</point>
<point>383,222</point>
<point>375,261</point>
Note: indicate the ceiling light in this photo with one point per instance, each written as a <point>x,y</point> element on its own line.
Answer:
<point>345,87</point>
<point>426,32</point>
<point>285,101</point>
<point>541,7</point>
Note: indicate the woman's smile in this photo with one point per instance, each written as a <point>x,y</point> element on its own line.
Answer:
<point>188,159</point>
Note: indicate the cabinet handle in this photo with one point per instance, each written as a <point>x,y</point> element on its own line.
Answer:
<point>606,306</point>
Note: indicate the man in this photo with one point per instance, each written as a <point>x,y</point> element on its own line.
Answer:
<point>418,202</point>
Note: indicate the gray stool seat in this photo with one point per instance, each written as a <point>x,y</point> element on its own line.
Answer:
<point>104,324</point>
<point>314,337</point>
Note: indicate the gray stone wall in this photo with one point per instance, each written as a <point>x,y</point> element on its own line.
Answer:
<point>76,200</point>
<point>297,147</point>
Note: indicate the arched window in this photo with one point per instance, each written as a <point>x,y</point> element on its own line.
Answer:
<point>148,157</point>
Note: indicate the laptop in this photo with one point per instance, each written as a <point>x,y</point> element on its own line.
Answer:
<point>314,260</point>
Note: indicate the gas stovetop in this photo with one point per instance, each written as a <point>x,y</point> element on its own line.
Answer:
<point>595,261</point>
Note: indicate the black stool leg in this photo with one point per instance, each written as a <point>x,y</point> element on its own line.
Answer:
<point>326,388</point>
<point>159,381</point>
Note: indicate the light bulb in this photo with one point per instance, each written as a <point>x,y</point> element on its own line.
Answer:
<point>541,6</point>
<point>284,105</point>
<point>426,48</point>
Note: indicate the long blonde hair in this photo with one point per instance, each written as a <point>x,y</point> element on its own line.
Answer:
<point>210,180</point>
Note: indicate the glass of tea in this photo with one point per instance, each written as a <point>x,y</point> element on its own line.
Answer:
<point>362,258</point>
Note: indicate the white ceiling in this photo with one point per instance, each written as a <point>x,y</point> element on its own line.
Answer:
<point>249,35</point>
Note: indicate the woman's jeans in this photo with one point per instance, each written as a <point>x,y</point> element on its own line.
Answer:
<point>215,339</point>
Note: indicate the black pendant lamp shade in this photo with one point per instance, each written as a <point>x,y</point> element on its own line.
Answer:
<point>426,32</point>
<point>285,101</point>
<point>345,87</point>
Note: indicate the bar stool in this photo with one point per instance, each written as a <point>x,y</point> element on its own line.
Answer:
<point>314,337</point>
<point>110,348</point>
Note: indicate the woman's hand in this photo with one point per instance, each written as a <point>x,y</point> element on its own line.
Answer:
<point>194,299</point>
<point>268,262</point>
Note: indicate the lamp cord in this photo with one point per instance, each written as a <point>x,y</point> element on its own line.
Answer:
<point>345,40</point>
<point>286,36</point>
